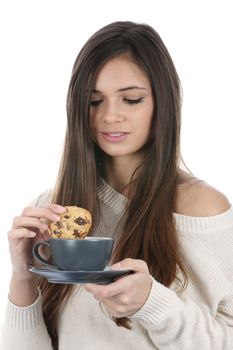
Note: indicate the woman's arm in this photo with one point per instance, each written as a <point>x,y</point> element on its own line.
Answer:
<point>175,323</point>
<point>24,326</point>
<point>170,321</point>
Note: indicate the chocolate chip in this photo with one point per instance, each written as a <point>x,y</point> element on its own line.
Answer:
<point>80,221</point>
<point>59,224</point>
<point>57,233</point>
<point>77,233</point>
<point>66,216</point>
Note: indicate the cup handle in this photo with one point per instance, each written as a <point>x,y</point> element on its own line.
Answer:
<point>36,254</point>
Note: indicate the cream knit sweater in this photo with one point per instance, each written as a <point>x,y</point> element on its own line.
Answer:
<point>199,319</point>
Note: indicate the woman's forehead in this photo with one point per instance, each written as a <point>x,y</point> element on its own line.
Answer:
<point>121,73</point>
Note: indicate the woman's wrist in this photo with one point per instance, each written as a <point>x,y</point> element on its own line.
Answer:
<point>23,291</point>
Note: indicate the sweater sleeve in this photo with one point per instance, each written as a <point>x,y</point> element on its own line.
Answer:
<point>24,328</point>
<point>175,323</point>
<point>201,317</point>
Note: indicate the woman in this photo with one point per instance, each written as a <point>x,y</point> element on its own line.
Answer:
<point>122,162</point>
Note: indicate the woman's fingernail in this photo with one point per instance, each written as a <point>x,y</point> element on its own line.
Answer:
<point>60,209</point>
<point>57,207</point>
<point>32,234</point>
<point>44,227</point>
<point>116,266</point>
<point>56,217</point>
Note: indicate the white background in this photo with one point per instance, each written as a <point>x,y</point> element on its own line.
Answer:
<point>39,42</point>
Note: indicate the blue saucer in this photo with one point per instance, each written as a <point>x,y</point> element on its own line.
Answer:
<point>54,275</point>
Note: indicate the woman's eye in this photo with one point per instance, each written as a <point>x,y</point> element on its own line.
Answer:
<point>95,103</point>
<point>133,101</point>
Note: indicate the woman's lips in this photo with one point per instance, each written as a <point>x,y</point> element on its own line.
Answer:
<point>115,136</point>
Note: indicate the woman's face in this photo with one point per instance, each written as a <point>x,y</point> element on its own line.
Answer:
<point>121,108</point>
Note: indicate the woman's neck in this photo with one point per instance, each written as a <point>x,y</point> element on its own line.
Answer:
<point>119,172</point>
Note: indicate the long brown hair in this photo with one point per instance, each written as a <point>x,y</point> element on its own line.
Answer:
<point>149,232</point>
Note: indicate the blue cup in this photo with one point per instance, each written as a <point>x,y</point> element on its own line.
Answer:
<point>89,254</point>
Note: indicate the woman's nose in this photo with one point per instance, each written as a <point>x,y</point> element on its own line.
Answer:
<point>113,114</point>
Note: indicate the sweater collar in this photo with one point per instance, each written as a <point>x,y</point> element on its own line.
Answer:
<point>184,224</point>
<point>111,197</point>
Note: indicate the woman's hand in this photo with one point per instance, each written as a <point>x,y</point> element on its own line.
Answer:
<point>128,294</point>
<point>27,228</point>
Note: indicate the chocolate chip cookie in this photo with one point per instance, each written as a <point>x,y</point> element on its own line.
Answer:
<point>75,223</point>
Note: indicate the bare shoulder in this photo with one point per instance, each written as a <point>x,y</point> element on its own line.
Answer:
<point>197,198</point>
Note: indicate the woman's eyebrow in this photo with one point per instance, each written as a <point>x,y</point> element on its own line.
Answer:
<point>133,87</point>
<point>124,89</point>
